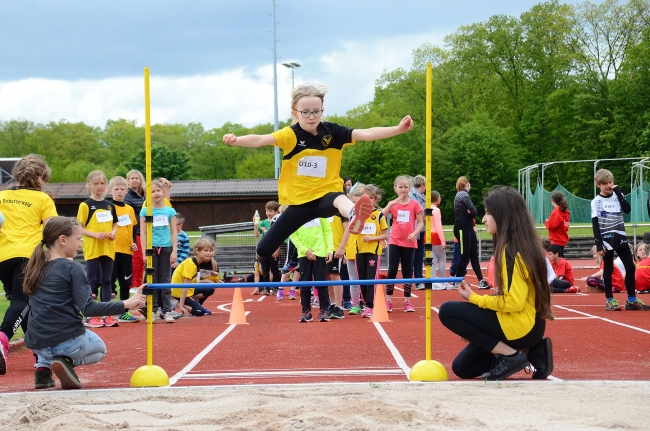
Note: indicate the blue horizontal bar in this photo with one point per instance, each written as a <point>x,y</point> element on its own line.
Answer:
<point>307,283</point>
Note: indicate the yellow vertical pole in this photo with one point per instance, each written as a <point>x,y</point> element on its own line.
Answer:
<point>149,277</point>
<point>148,375</point>
<point>427,238</point>
<point>428,370</point>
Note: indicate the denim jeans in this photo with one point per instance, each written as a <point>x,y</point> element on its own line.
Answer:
<point>83,350</point>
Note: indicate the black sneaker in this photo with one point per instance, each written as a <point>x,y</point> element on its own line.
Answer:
<point>483,284</point>
<point>541,357</point>
<point>324,316</point>
<point>506,366</point>
<point>636,305</point>
<point>306,317</point>
<point>43,379</point>
<point>335,312</point>
<point>64,370</point>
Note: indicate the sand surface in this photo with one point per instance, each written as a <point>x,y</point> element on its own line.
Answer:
<point>396,406</point>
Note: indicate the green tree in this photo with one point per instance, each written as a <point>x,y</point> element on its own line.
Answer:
<point>170,164</point>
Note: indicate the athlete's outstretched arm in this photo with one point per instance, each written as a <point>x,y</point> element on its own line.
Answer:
<point>383,132</point>
<point>248,140</point>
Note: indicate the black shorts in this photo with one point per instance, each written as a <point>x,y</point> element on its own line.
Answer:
<point>334,267</point>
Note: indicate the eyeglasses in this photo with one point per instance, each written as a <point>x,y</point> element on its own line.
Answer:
<point>316,113</point>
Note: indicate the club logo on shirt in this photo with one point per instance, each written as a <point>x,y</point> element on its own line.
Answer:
<point>326,141</point>
<point>302,144</point>
<point>373,217</point>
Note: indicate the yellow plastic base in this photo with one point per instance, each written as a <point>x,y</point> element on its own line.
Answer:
<point>429,371</point>
<point>149,376</point>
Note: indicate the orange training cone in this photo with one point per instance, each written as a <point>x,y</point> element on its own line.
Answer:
<point>379,312</point>
<point>237,314</point>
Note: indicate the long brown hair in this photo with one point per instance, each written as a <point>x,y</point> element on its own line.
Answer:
<point>515,236</point>
<point>34,272</point>
<point>560,200</point>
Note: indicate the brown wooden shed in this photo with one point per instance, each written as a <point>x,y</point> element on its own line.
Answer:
<point>202,202</point>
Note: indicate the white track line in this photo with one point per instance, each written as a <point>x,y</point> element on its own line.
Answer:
<point>575,318</point>
<point>393,350</point>
<point>201,355</point>
<point>605,319</point>
<point>412,294</point>
<point>296,373</point>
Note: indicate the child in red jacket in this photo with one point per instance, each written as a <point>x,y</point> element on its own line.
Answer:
<point>564,281</point>
<point>557,223</point>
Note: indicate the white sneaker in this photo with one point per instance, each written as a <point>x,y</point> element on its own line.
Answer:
<point>438,286</point>
<point>452,286</point>
<point>169,318</point>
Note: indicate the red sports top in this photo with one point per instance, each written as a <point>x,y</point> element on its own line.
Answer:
<point>558,226</point>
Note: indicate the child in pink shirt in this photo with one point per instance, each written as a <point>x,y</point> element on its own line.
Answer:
<point>403,238</point>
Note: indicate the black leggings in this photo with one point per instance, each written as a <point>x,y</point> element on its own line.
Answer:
<point>559,286</point>
<point>294,217</point>
<point>313,270</point>
<point>396,254</point>
<point>122,274</point>
<point>608,268</point>
<point>101,267</point>
<point>466,237</point>
<point>367,264</point>
<point>481,327</point>
<point>12,277</point>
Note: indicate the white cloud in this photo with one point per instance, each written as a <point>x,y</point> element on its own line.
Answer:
<point>239,96</point>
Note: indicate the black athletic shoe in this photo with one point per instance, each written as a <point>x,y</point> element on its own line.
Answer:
<point>506,366</point>
<point>324,316</point>
<point>541,357</point>
<point>43,379</point>
<point>63,368</point>
<point>306,317</point>
<point>335,312</point>
<point>483,284</point>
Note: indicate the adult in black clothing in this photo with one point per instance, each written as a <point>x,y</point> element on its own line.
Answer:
<point>465,211</point>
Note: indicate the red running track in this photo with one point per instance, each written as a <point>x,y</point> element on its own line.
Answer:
<point>589,344</point>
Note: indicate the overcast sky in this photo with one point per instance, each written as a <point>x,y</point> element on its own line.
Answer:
<point>211,61</point>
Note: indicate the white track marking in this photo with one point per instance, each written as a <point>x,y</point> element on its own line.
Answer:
<point>393,350</point>
<point>201,355</point>
<point>576,318</point>
<point>296,373</point>
<point>605,319</point>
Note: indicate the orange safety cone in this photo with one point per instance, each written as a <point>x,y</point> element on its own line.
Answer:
<point>379,312</point>
<point>237,314</point>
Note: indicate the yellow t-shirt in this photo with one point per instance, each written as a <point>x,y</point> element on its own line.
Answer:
<point>515,309</point>
<point>372,227</point>
<point>351,247</point>
<point>125,222</point>
<point>311,163</point>
<point>336,224</point>
<point>97,216</point>
<point>188,269</point>
<point>24,210</point>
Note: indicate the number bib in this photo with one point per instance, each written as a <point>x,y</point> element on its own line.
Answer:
<point>369,229</point>
<point>161,220</point>
<point>403,216</point>
<point>103,216</point>
<point>612,206</point>
<point>203,274</point>
<point>312,166</point>
<point>123,220</point>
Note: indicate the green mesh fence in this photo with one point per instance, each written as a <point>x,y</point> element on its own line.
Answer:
<point>540,206</point>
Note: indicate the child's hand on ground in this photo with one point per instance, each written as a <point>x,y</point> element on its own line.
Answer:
<point>184,311</point>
